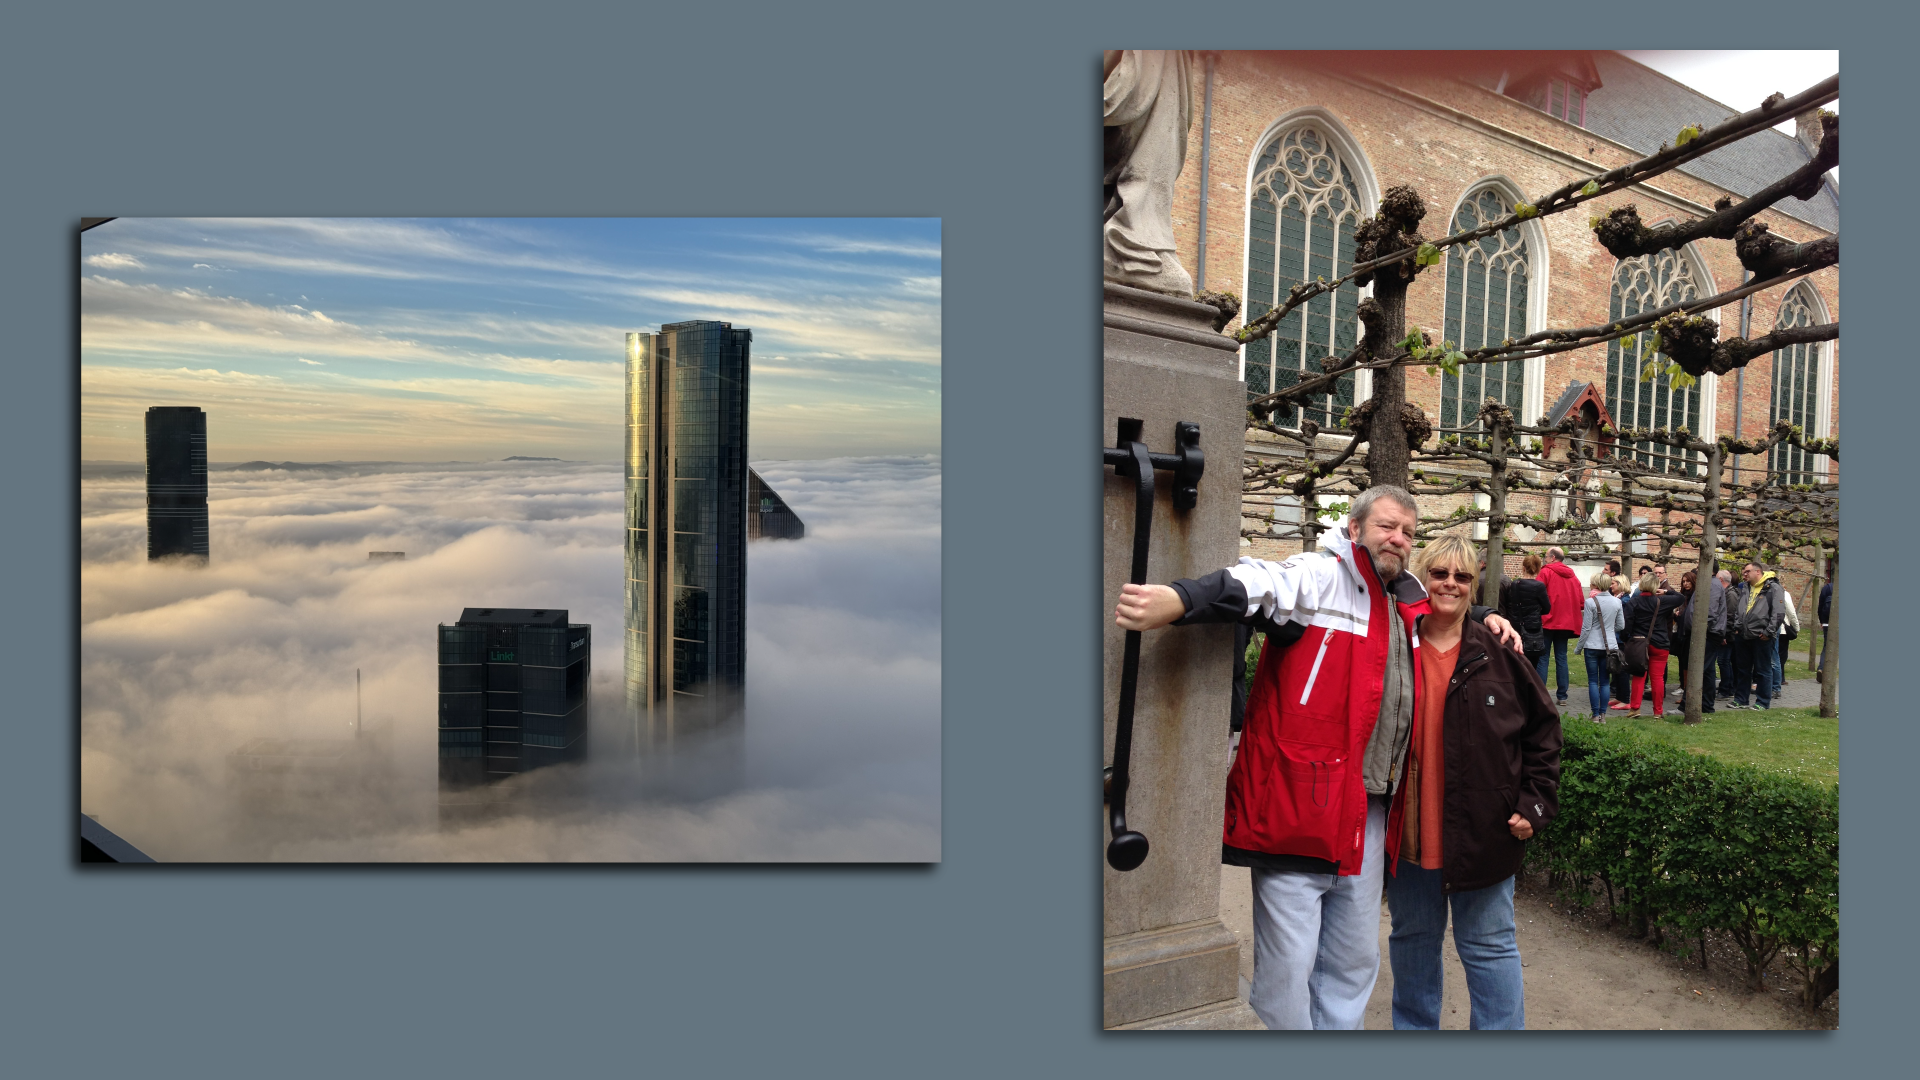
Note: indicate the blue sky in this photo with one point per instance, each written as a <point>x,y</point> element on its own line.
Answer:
<point>324,339</point>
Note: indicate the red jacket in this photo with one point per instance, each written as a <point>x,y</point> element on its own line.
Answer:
<point>1295,787</point>
<point>1566,596</point>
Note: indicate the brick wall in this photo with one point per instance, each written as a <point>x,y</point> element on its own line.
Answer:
<point>1444,136</point>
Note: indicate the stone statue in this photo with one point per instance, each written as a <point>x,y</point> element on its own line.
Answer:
<point>1149,107</point>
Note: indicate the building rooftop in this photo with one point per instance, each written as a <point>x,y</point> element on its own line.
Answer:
<point>1642,108</point>
<point>556,617</point>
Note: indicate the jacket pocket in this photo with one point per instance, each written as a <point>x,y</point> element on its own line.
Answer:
<point>1308,800</point>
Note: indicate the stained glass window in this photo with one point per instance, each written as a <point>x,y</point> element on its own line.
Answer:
<point>1486,304</point>
<point>1305,208</point>
<point>1796,393</point>
<point>1643,284</point>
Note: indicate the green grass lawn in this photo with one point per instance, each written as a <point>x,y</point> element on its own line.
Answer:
<point>1796,742</point>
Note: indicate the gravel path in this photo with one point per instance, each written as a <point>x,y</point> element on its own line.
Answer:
<point>1579,974</point>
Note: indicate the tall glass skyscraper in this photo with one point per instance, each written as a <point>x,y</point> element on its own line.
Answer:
<point>686,525</point>
<point>176,481</point>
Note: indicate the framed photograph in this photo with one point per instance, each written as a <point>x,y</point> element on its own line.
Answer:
<point>490,540</point>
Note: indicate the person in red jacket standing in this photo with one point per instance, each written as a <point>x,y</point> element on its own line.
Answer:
<point>1322,748</point>
<point>1562,621</point>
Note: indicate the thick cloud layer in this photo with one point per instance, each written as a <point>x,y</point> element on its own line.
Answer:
<point>180,666</point>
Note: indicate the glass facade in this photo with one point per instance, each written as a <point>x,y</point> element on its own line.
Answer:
<point>686,520</point>
<point>1643,284</point>
<point>1304,209</point>
<point>176,481</point>
<point>1486,304</point>
<point>513,692</point>
<point>1796,394</point>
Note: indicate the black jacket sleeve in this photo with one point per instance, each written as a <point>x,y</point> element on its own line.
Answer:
<point>1220,598</point>
<point>1826,603</point>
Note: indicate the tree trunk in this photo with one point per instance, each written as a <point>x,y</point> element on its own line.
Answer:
<point>1496,509</point>
<point>1703,583</point>
<point>1388,456</point>
<point>1830,651</point>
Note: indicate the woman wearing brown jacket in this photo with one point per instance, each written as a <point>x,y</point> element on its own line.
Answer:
<point>1482,775</point>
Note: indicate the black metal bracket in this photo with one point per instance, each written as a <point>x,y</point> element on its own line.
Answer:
<point>1187,463</point>
<point>1128,849</point>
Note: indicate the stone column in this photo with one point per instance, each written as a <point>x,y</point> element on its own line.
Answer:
<point>1170,962</point>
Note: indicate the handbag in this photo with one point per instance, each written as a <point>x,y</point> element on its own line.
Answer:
<point>1635,652</point>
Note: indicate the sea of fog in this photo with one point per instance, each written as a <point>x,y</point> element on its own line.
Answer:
<point>839,754</point>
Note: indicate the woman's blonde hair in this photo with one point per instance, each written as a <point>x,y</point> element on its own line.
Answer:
<point>1601,581</point>
<point>1448,549</point>
<point>1649,584</point>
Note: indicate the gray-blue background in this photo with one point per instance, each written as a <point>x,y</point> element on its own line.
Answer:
<point>983,115</point>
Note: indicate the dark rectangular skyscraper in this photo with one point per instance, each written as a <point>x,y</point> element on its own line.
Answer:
<point>513,692</point>
<point>686,521</point>
<point>176,481</point>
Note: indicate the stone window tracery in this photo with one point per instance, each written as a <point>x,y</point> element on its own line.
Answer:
<point>1643,284</point>
<point>1796,393</point>
<point>1486,304</point>
<point>1303,209</point>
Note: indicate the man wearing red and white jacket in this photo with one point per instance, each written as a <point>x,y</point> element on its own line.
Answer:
<point>1322,747</point>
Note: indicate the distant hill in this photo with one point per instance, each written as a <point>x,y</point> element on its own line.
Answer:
<point>518,457</point>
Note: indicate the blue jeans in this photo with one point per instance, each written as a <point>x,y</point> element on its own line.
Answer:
<point>1557,644</point>
<point>1779,664</point>
<point>1482,935</point>
<point>1597,681</point>
<point>1720,656</point>
<point>1316,939</point>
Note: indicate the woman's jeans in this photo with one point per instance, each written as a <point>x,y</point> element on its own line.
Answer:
<point>1597,681</point>
<point>1482,935</point>
<point>1657,671</point>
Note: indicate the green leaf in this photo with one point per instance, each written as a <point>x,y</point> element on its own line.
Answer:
<point>1431,370</point>
<point>1687,135</point>
<point>1426,255</point>
<point>1592,188</point>
<point>1523,211</point>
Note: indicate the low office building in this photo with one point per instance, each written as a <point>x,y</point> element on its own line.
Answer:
<point>513,692</point>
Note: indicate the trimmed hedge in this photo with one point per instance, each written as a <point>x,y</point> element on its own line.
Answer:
<point>1693,844</point>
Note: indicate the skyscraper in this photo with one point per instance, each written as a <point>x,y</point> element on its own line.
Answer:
<point>513,692</point>
<point>686,523</point>
<point>768,515</point>
<point>176,481</point>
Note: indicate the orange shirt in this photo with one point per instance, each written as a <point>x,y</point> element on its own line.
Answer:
<point>1426,759</point>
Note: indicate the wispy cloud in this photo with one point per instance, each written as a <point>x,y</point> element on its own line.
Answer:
<point>113,260</point>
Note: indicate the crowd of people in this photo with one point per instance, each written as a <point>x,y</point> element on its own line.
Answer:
<point>1630,629</point>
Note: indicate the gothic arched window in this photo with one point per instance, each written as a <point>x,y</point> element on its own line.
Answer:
<point>1486,304</point>
<point>1796,393</point>
<point>1304,208</point>
<point>1642,284</point>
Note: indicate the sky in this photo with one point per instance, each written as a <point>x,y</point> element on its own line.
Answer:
<point>1742,79</point>
<point>180,666</point>
<point>333,339</point>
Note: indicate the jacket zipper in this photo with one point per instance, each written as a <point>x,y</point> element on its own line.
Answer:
<point>1325,639</point>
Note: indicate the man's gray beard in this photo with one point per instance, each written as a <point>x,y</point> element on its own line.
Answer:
<point>1387,565</point>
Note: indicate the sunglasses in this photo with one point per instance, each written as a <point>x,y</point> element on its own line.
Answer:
<point>1461,576</point>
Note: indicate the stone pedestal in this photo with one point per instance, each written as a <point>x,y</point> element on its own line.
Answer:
<point>1170,962</point>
